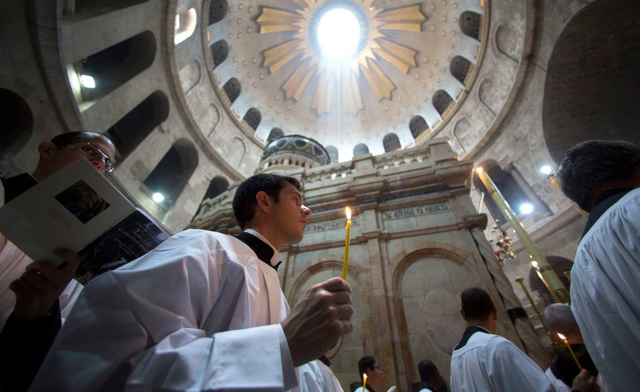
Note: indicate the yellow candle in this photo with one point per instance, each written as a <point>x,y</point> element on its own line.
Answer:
<point>345,264</point>
<point>364,382</point>
<point>561,336</point>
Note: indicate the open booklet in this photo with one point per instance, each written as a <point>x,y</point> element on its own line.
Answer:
<point>78,208</point>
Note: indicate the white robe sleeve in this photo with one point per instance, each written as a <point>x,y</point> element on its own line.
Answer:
<point>509,369</point>
<point>144,327</point>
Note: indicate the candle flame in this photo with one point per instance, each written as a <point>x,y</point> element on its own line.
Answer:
<point>364,375</point>
<point>534,264</point>
<point>347,211</point>
<point>561,336</point>
<point>479,170</point>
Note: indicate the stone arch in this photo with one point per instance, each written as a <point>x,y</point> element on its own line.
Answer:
<point>253,118</point>
<point>237,152</point>
<point>588,91</point>
<point>487,95</point>
<point>112,67</point>
<point>217,10</point>
<point>441,101</point>
<point>136,125</point>
<point>470,24</point>
<point>460,67</point>
<point>507,41</point>
<point>462,133</point>
<point>274,134</point>
<point>390,142</point>
<point>233,89</point>
<point>333,154</point>
<point>190,75</point>
<point>417,126</point>
<point>174,170</point>
<point>220,52</point>
<point>360,149</point>
<point>185,25</point>
<point>17,121</point>
<point>425,334</point>
<point>216,187</point>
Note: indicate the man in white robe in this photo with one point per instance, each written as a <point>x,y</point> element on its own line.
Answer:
<point>204,310</point>
<point>603,178</point>
<point>485,362</point>
<point>35,297</point>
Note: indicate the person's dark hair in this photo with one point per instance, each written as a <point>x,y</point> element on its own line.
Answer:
<point>427,370</point>
<point>64,139</point>
<point>590,165</point>
<point>365,363</point>
<point>476,303</point>
<point>244,202</point>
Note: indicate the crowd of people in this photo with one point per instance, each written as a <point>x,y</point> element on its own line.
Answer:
<point>205,311</point>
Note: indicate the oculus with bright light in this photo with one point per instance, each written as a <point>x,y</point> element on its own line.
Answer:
<point>158,197</point>
<point>339,33</point>
<point>87,81</point>
<point>526,208</point>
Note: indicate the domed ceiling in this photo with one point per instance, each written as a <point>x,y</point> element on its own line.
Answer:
<point>405,71</point>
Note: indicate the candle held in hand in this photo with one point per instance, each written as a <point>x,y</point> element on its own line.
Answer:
<point>364,382</point>
<point>345,264</point>
<point>564,339</point>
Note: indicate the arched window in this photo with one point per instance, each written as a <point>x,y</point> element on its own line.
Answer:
<point>17,121</point>
<point>333,153</point>
<point>441,101</point>
<point>460,68</point>
<point>360,149</point>
<point>390,142</point>
<point>171,175</point>
<point>219,51</point>
<point>470,24</point>
<point>274,134</point>
<point>512,192</point>
<point>186,23</point>
<point>233,89</point>
<point>252,117</point>
<point>417,126</point>
<point>112,67</point>
<point>217,10</point>
<point>136,125</point>
<point>216,187</point>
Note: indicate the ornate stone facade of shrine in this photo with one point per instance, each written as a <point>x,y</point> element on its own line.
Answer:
<point>416,243</point>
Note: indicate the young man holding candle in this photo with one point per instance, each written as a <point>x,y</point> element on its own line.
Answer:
<point>204,310</point>
<point>603,178</point>
<point>485,362</point>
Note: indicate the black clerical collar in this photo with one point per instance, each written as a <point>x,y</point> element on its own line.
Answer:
<point>603,203</point>
<point>467,335</point>
<point>263,250</point>
<point>17,185</point>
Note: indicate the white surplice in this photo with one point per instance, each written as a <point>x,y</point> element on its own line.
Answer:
<point>492,363</point>
<point>605,293</point>
<point>200,312</point>
<point>13,262</point>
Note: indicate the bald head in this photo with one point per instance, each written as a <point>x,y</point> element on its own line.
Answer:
<point>559,318</point>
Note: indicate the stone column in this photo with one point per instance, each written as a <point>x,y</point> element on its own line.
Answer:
<point>519,318</point>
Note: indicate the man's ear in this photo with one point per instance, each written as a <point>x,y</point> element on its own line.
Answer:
<point>45,148</point>
<point>494,313</point>
<point>462,314</point>
<point>263,200</point>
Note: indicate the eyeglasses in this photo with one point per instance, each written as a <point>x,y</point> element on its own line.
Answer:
<point>92,151</point>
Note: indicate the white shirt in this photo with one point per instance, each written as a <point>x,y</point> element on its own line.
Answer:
<point>13,262</point>
<point>492,363</point>
<point>200,312</point>
<point>557,383</point>
<point>318,377</point>
<point>605,293</point>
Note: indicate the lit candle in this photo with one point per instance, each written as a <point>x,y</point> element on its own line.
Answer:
<point>364,382</point>
<point>561,336</point>
<point>345,264</point>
